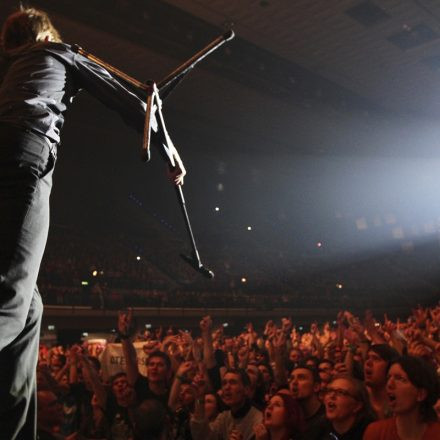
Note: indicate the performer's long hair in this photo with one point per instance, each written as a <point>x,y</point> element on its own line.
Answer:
<point>27,26</point>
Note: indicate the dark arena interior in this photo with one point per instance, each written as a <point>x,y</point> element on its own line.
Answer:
<point>311,144</point>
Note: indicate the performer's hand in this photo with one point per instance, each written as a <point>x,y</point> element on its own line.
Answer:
<point>177,174</point>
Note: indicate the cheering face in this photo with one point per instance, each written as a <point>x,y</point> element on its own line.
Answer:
<point>301,384</point>
<point>211,409</point>
<point>187,395</point>
<point>375,370</point>
<point>120,386</point>
<point>403,396</point>
<point>233,390</point>
<point>294,355</point>
<point>325,370</point>
<point>275,413</point>
<point>340,401</point>
<point>157,370</point>
<point>265,373</point>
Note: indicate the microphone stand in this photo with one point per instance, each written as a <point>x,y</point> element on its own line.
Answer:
<point>155,94</point>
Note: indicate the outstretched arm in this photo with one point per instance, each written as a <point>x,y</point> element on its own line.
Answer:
<point>125,321</point>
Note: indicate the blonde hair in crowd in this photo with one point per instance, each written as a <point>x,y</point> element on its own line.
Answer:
<point>27,26</point>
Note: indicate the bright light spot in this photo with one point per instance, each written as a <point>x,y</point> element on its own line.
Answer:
<point>138,258</point>
<point>217,208</point>
<point>102,272</point>
<point>51,327</point>
<point>300,327</point>
<point>220,187</point>
<point>339,286</point>
<point>225,324</point>
<point>85,334</point>
<point>243,280</point>
<point>84,283</point>
<point>319,244</point>
<point>95,273</point>
<point>249,228</point>
<point>377,324</point>
<point>334,322</point>
<point>147,325</point>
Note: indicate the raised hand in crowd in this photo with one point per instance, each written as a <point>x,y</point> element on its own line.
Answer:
<point>125,323</point>
<point>235,435</point>
<point>185,374</point>
<point>261,432</point>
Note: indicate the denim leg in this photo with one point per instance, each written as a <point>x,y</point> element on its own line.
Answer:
<point>26,166</point>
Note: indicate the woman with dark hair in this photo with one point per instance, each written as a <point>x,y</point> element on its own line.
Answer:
<point>283,419</point>
<point>413,389</point>
<point>213,406</point>
<point>347,408</point>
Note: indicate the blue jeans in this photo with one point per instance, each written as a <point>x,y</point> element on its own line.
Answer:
<point>26,166</point>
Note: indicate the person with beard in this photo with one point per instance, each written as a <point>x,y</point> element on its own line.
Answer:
<point>412,389</point>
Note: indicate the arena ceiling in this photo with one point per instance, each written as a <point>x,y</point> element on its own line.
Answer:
<point>384,50</point>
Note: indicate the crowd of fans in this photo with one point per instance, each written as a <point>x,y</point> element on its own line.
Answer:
<point>106,273</point>
<point>359,379</point>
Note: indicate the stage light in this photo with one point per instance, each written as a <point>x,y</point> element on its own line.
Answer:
<point>339,286</point>
<point>319,244</point>
<point>243,280</point>
<point>95,273</point>
<point>138,258</point>
<point>220,187</point>
<point>225,324</point>
<point>301,328</point>
<point>147,326</point>
<point>84,283</point>
<point>85,334</point>
<point>51,327</point>
<point>249,228</point>
<point>217,208</point>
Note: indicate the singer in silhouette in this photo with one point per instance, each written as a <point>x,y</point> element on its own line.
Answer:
<point>39,76</point>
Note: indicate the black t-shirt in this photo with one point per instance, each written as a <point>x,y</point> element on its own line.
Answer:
<point>118,418</point>
<point>313,425</point>
<point>143,391</point>
<point>356,432</point>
